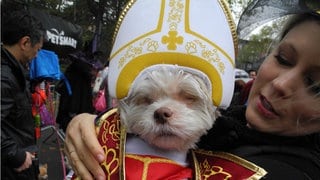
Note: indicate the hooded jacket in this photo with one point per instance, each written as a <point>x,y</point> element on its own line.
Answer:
<point>17,124</point>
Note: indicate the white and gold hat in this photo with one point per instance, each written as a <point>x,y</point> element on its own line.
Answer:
<point>196,34</point>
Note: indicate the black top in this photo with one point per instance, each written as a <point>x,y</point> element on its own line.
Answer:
<point>282,157</point>
<point>79,76</point>
<point>17,124</point>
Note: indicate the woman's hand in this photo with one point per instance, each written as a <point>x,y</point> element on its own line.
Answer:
<point>83,149</point>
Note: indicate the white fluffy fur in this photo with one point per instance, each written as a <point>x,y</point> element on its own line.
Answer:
<point>175,92</point>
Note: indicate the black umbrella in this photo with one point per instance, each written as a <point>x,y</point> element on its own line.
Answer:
<point>259,12</point>
<point>62,36</point>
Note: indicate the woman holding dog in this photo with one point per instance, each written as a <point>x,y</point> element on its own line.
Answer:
<point>279,129</point>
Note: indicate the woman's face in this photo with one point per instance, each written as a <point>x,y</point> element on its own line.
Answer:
<point>285,98</point>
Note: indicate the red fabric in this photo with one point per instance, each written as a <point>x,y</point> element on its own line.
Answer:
<point>37,132</point>
<point>109,138</point>
<point>155,168</point>
<point>204,165</point>
<point>38,98</point>
<point>217,168</point>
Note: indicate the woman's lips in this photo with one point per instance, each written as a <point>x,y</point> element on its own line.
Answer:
<point>265,108</point>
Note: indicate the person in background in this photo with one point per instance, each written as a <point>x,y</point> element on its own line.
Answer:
<point>252,73</point>
<point>80,74</point>
<point>22,37</point>
<point>244,93</point>
<point>238,86</point>
<point>278,130</point>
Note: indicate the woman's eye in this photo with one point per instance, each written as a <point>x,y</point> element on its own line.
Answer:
<point>282,60</point>
<point>313,86</point>
<point>316,89</point>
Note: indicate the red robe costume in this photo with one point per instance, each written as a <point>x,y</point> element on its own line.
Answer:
<point>204,165</point>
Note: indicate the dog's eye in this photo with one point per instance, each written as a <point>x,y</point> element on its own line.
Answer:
<point>189,98</point>
<point>144,100</point>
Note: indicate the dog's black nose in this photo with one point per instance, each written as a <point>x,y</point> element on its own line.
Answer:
<point>162,115</point>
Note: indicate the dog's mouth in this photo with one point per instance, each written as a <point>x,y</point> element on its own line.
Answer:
<point>166,134</point>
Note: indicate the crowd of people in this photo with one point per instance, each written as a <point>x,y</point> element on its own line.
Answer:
<point>22,36</point>
<point>274,123</point>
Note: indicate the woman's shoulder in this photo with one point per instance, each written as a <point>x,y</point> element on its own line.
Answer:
<point>283,161</point>
<point>226,130</point>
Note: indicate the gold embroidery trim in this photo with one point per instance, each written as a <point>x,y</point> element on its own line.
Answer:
<point>147,161</point>
<point>104,116</point>
<point>259,172</point>
<point>233,27</point>
<point>113,128</point>
<point>123,140</point>
<point>121,17</point>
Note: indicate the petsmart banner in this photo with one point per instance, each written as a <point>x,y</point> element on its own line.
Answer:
<point>63,37</point>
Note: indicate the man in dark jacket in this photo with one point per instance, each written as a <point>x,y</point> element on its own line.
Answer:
<point>22,37</point>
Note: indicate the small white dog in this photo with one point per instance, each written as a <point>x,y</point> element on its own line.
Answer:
<point>166,112</point>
